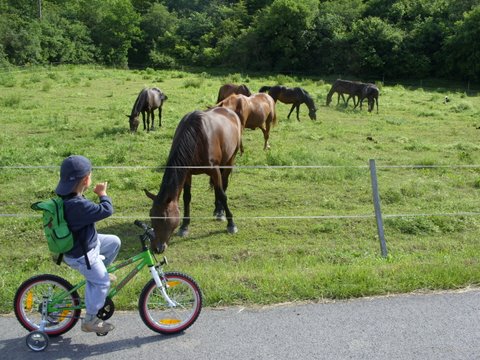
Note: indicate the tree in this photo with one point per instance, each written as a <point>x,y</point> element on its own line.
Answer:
<point>113,25</point>
<point>155,46</point>
<point>283,34</point>
<point>463,47</point>
<point>329,50</point>
<point>375,47</point>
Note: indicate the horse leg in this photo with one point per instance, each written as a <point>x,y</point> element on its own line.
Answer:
<point>160,116</point>
<point>355,103</point>
<point>143,117</point>
<point>187,197</point>
<point>293,107</point>
<point>222,198</point>
<point>298,110</point>
<point>219,211</point>
<point>153,118</point>
<point>266,135</point>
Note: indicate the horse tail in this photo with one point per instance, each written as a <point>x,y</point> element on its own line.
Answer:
<point>264,89</point>
<point>273,114</point>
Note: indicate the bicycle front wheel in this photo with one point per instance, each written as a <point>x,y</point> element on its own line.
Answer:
<point>165,318</point>
<point>29,300</point>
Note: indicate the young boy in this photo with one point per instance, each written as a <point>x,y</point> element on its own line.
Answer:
<point>101,250</point>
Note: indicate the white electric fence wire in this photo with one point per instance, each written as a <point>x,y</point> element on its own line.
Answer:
<point>310,217</point>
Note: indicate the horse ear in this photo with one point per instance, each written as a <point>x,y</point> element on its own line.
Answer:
<point>149,194</point>
<point>128,116</point>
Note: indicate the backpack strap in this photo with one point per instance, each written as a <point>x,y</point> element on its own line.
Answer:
<point>84,248</point>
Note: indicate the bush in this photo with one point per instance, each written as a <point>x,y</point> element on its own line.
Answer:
<point>160,60</point>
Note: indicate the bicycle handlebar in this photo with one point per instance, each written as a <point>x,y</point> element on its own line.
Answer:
<point>148,230</point>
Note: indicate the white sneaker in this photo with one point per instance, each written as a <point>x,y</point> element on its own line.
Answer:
<point>96,325</point>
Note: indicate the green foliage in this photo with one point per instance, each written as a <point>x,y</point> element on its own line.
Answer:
<point>463,56</point>
<point>376,46</point>
<point>397,39</point>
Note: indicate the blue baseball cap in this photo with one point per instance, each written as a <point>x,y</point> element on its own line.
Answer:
<point>73,169</point>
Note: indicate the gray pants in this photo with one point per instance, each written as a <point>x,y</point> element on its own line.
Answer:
<point>98,281</point>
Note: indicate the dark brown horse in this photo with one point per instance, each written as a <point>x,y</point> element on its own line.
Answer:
<point>229,89</point>
<point>295,96</point>
<point>256,111</point>
<point>147,101</point>
<point>204,141</point>
<point>352,88</point>
<point>371,93</point>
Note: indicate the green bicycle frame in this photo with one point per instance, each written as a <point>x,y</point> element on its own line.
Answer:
<point>145,258</point>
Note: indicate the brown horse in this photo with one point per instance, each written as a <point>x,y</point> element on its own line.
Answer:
<point>229,89</point>
<point>204,141</point>
<point>147,101</point>
<point>295,96</point>
<point>256,111</point>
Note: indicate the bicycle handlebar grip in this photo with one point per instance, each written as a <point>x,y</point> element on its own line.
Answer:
<point>148,231</point>
<point>141,224</point>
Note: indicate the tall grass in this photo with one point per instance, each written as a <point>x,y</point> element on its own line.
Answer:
<point>304,233</point>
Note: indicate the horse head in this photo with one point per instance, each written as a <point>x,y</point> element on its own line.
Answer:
<point>134,122</point>
<point>165,217</point>
<point>312,113</point>
<point>329,99</point>
<point>244,90</point>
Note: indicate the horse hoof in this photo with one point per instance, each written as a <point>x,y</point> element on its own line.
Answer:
<point>183,232</point>
<point>232,229</point>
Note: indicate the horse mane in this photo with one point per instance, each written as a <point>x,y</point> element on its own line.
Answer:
<point>139,102</point>
<point>189,136</point>
<point>244,89</point>
<point>264,89</point>
<point>308,99</point>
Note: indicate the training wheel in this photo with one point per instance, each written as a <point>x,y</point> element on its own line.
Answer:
<point>37,340</point>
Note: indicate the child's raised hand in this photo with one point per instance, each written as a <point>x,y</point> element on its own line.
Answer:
<point>101,189</point>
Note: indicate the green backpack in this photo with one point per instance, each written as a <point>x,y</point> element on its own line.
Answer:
<point>59,237</point>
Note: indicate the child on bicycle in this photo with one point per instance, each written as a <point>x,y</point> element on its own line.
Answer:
<point>92,252</point>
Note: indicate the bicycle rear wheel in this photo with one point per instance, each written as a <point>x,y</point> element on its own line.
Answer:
<point>28,304</point>
<point>163,318</point>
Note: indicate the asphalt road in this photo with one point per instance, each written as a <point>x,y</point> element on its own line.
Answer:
<point>415,326</point>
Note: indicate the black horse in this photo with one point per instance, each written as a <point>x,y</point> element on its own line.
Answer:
<point>147,101</point>
<point>295,96</point>
<point>371,93</point>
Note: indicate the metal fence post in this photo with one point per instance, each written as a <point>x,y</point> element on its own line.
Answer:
<point>378,211</point>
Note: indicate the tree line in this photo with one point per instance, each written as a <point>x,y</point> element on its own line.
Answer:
<point>389,38</point>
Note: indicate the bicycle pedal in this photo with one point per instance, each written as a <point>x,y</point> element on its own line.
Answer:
<point>102,333</point>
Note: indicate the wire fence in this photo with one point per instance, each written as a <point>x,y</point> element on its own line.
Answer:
<point>270,167</point>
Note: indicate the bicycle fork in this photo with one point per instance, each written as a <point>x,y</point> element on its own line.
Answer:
<point>160,285</point>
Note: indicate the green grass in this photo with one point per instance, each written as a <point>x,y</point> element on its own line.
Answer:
<point>278,255</point>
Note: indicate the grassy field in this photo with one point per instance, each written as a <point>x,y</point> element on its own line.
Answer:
<point>304,233</point>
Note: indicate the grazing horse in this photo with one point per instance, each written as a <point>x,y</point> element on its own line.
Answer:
<point>229,89</point>
<point>295,96</point>
<point>351,88</point>
<point>256,111</point>
<point>204,141</point>
<point>147,101</point>
<point>370,92</point>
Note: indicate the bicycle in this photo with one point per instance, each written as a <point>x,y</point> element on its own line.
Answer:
<point>48,305</point>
